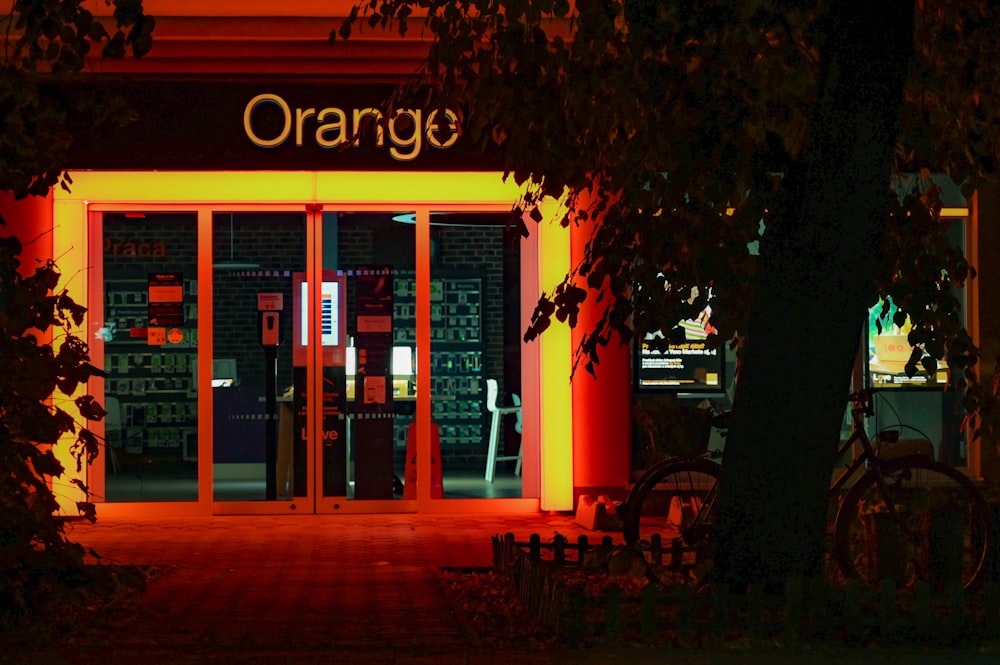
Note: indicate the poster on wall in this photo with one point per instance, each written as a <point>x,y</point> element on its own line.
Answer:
<point>690,365</point>
<point>166,299</point>
<point>889,350</point>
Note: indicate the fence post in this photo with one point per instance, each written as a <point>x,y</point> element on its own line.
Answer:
<point>818,600</point>
<point>614,612</point>
<point>852,607</point>
<point>582,547</point>
<point>794,606</point>
<point>992,609</point>
<point>535,546</point>
<point>956,609</point>
<point>676,554</point>
<point>684,597</point>
<point>922,609</point>
<point>720,609</point>
<point>649,605</point>
<point>656,549</point>
<point>886,608</point>
<point>576,614</point>
<point>755,610</point>
<point>559,548</point>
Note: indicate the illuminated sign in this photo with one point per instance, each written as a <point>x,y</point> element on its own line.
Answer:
<point>332,127</point>
<point>692,365</point>
<point>333,323</point>
<point>889,350</point>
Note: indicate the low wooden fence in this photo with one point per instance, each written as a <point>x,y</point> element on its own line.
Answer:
<point>809,611</point>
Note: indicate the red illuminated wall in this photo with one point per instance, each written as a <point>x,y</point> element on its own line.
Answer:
<point>602,406</point>
<point>30,220</point>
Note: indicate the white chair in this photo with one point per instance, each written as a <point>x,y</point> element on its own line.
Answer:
<point>498,412</point>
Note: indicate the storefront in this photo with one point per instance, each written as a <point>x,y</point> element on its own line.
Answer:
<point>297,320</point>
<point>209,290</point>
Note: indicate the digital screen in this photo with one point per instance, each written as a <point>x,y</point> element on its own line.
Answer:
<point>332,318</point>
<point>889,349</point>
<point>689,366</point>
<point>329,313</point>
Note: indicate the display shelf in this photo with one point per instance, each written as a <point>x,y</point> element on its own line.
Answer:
<point>457,353</point>
<point>152,386</point>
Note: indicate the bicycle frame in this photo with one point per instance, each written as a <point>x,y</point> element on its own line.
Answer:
<point>862,408</point>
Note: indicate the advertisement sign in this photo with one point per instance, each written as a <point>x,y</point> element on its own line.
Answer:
<point>689,365</point>
<point>166,299</point>
<point>889,350</point>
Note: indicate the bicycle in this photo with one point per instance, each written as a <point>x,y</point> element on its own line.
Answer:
<point>907,518</point>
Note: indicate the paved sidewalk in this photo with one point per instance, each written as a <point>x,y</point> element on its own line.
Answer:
<point>331,589</point>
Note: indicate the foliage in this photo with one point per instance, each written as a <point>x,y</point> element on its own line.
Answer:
<point>32,543</point>
<point>42,361</point>
<point>48,41</point>
<point>672,122</point>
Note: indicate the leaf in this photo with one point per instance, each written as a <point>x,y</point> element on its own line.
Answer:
<point>88,510</point>
<point>46,464</point>
<point>90,408</point>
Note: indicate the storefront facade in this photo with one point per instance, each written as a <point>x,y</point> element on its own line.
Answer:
<point>294,319</point>
<point>294,322</point>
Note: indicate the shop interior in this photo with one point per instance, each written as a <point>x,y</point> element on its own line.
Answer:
<point>150,284</point>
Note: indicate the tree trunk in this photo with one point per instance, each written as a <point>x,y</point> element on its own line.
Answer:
<point>819,259</point>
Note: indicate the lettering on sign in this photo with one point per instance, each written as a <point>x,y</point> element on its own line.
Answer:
<point>332,127</point>
<point>132,248</point>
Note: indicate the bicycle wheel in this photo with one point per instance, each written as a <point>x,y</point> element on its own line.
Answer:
<point>668,498</point>
<point>928,524</point>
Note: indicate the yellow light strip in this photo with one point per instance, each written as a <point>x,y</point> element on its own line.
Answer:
<point>70,252</point>
<point>954,212</point>
<point>556,408</point>
<point>421,191</point>
<point>386,190</point>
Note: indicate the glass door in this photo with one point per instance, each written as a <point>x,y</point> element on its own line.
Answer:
<point>313,377</point>
<point>367,458</point>
<point>145,318</point>
<point>258,383</point>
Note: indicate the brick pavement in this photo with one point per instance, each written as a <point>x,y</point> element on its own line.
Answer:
<point>331,589</point>
<point>301,583</point>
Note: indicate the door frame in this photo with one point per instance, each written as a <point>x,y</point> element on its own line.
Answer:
<point>548,450</point>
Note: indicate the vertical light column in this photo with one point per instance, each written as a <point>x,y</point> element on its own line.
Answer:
<point>423,412</point>
<point>555,355</point>
<point>69,246</point>
<point>314,352</point>
<point>602,403</point>
<point>206,346</point>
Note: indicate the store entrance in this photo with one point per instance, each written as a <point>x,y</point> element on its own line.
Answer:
<point>312,397</point>
<point>266,359</point>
